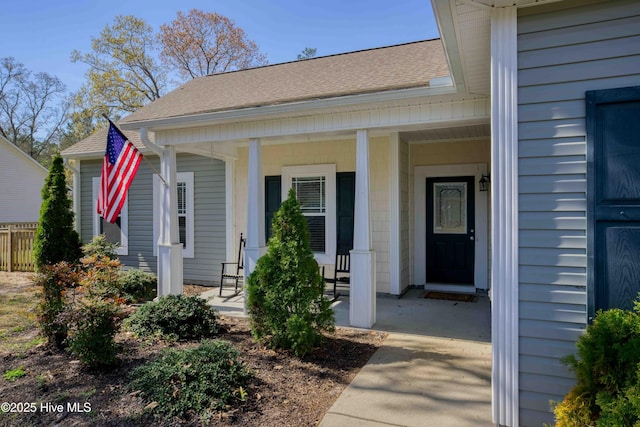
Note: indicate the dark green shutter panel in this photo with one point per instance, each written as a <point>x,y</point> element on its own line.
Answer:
<point>345,203</point>
<point>613,177</point>
<point>272,200</point>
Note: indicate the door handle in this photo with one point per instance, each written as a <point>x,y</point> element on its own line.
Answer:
<point>472,238</point>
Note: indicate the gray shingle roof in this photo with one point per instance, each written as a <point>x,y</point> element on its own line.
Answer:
<point>388,68</point>
<point>96,143</point>
<point>382,69</point>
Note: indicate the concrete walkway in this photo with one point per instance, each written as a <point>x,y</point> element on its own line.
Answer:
<point>434,368</point>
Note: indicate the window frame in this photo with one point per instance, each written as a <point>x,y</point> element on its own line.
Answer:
<point>329,173</point>
<point>188,251</point>
<point>123,249</point>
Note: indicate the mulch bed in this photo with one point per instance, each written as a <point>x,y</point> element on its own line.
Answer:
<point>286,390</point>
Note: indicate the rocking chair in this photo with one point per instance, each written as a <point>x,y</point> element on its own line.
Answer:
<point>233,271</point>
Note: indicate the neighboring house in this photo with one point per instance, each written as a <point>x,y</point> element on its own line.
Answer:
<point>200,188</point>
<point>541,97</point>
<point>21,181</point>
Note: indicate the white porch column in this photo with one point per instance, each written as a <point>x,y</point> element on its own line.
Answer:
<point>169,246</point>
<point>231,240</point>
<point>394,214</point>
<point>504,219</point>
<point>362,300</point>
<point>255,209</point>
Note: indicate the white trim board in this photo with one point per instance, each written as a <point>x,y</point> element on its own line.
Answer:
<point>420,175</point>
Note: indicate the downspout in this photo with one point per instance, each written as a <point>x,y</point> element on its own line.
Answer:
<point>144,137</point>
<point>75,171</point>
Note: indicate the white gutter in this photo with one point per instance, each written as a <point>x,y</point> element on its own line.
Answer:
<point>292,107</point>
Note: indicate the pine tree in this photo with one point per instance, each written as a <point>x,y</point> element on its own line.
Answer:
<point>56,240</point>
<point>285,291</point>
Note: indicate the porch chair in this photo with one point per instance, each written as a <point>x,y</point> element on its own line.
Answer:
<point>234,274</point>
<point>342,267</point>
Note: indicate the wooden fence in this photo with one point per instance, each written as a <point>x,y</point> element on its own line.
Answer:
<point>16,246</point>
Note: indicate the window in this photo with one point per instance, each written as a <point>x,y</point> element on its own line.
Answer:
<point>311,193</point>
<point>114,233</point>
<point>315,187</point>
<point>185,207</point>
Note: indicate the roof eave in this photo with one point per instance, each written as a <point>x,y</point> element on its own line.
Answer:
<point>268,111</point>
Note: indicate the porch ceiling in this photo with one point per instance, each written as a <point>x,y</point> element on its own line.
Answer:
<point>447,133</point>
<point>465,26</point>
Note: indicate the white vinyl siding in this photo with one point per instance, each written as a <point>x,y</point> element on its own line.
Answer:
<point>561,55</point>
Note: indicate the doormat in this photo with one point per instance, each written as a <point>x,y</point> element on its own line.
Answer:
<point>450,296</point>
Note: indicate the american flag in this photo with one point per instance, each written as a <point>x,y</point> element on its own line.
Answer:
<point>119,167</point>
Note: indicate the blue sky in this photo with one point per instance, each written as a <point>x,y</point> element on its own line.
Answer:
<point>42,33</point>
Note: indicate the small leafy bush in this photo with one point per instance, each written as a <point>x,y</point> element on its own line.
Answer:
<point>175,317</point>
<point>54,282</point>
<point>137,286</point>
<point>607,369</point>
<point>101,277</point>
<point>100,247</point>
<point>285,291</point>
<point>93,324</point>
<point>193,381</point>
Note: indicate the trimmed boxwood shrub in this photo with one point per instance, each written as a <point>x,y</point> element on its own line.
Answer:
<point>193,381</point>
<point>175,317</point>
<point>285,297</point>
<point>137,285</point>
<point>607,369</point>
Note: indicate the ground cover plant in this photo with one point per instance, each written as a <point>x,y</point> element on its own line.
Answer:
<point>283,389</point>
<point>194,382</point>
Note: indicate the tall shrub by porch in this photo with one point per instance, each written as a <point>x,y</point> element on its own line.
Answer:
<point>285,291</point>
<point>56,240</point>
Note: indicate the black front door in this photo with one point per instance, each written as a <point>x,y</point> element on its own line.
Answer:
<point>613,142</point>
<point>450,230</point>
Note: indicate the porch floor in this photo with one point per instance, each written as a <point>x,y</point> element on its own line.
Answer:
<point>434,368</point>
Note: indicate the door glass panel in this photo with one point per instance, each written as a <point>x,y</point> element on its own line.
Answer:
<point>450,207</point>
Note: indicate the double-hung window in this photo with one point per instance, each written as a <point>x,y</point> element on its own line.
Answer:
<point>312,196</point>
<point>315,187</point>
<point>117,232</point>
<point>185,205</point>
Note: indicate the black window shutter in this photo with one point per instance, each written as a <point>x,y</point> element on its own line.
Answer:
<point>345,203</point>
<point>272,200</point>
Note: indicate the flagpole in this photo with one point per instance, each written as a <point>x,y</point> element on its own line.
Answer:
<point>143,157</point>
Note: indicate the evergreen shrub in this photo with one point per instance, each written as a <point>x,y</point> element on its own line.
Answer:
<point>137,286</point>
<point>174,317</point>
<point>194,381</point>
<point>285,292</point>
<point>56,240</point>
<point>607,369</point>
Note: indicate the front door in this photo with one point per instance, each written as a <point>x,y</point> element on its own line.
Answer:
<point>450,230</point>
